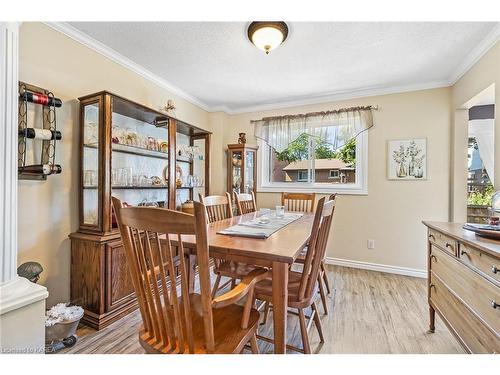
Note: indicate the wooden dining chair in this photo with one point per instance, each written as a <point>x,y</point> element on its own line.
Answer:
<point>298,202</point>
<point>174,320</point>
<point>323,282</point>
<point>302,286</point>
<point>218,208</point>
<point>245,203</point>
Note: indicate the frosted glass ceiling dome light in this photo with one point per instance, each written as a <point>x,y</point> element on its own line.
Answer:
<point>267,36</point>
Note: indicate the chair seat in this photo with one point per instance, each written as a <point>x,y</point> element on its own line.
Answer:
<point>228,335</point>
<point>233,270</point>
<point>264,289</point>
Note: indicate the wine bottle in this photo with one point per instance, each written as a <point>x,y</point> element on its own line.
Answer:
<point>45,169</point>
<point>42,99</point>
<point>45,134</point>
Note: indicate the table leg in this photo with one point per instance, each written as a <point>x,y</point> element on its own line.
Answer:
<point>280,305</point>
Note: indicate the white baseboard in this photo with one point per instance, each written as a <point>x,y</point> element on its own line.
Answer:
<point>413,272</point>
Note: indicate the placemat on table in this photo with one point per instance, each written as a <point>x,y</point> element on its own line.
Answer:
<point>255,229</point>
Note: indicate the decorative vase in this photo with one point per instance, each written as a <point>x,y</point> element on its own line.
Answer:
<point>418,172</point>
<point>401,172</point>
<point>411,167</point>
<point>242,138</point>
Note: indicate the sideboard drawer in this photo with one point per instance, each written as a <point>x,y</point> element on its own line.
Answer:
<point>441,240</point>
<point>483,262</point>
<point>478,293</point>
<point>466,325</point>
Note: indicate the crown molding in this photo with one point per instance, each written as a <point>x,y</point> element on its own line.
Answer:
<point>477,52</point>
<point>118,58</point>
<point>331,97</point>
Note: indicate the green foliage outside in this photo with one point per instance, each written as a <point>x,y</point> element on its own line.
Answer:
<point>481,199</point>
<point>298,150</point>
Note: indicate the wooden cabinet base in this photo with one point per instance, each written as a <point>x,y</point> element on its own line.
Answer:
<point>99,321</point>
<point>100,281</point>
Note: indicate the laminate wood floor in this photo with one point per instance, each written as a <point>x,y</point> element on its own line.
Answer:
<point>369,312</point>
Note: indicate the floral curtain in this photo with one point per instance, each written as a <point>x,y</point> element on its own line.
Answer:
<point>334,127</point>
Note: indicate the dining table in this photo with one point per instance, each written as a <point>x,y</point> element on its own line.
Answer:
<point>276,252</point>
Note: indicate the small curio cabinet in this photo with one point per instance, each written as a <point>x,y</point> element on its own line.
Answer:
<point>145,158</point>
<point>242,168</point>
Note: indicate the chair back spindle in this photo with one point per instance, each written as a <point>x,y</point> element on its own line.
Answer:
<point>298,202</point>
<point>152,238</point>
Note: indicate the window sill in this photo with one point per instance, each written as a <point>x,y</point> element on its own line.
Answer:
<point>343,190</point>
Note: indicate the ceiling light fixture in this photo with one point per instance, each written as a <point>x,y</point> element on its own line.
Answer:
<point>267,36</point>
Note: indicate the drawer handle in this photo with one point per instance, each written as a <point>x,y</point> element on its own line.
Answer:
<point>432,286</point>
<point>494,269</point>
<point>463,252</point>
<point>431,237</point>
<point>433,257</point>
<point>494,304</point>
<point>448,244</point>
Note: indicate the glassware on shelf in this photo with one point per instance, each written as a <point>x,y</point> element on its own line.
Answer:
<point>128,176</point>
<point>132,138</point>
<point>90,178</point>
<point>90,132</point>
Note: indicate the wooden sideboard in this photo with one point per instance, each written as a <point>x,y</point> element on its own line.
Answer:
<point>464,285</point>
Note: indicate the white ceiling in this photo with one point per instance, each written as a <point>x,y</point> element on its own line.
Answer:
<point>215,65</point>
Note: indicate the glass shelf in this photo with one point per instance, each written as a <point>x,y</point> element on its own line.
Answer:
<point>130,187</point>
<point>133,150</point>
<point>184,159</point>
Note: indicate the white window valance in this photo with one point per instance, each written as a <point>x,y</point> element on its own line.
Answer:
<point>333,127</point>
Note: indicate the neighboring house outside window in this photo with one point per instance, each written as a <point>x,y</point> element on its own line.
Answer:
<point>342,173</point>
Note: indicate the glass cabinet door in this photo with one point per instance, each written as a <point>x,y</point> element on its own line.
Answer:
<point>237,164</point>
<point>139,158</point>
<point>249,171</point>
<point>90,170</point>
<point>199,168</point>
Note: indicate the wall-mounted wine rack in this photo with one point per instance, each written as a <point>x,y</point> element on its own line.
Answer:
<point>37,96</point>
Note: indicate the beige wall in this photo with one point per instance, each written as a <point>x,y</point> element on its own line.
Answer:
<point>48,211</point>
<point>484,73</point>
<point>392,211</point>
<point>390,214</point>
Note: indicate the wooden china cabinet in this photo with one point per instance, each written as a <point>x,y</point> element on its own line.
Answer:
<point>144,157</point>
<point>241,168</point>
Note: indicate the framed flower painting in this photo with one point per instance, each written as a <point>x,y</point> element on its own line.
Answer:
<point>407,159</point>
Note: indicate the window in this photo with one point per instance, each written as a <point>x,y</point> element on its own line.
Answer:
<point>334,173</point>
<point>310,165</point>
<point>302,176</point>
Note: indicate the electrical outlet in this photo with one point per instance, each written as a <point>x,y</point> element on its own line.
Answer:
<point>370,244</point>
